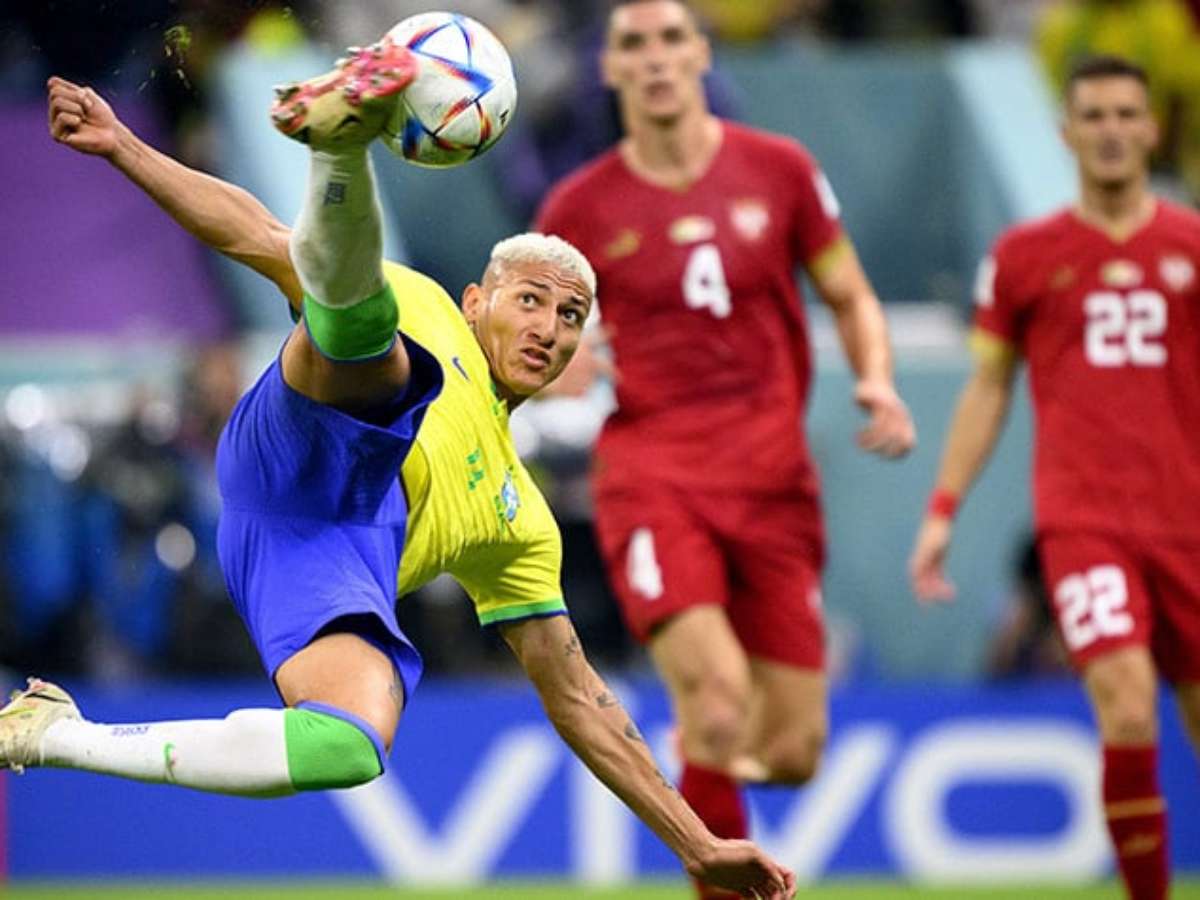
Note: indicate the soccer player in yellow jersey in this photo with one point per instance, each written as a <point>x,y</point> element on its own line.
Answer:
<point>315,523</point>
<point>473,510</point>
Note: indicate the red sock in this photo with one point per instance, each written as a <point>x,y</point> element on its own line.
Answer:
<point>717,800</point>
<point>1137,819</point>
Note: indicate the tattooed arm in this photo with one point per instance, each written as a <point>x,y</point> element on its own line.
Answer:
<point>590,719</point>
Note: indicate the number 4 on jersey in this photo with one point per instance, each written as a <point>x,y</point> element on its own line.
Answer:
<point>704,284</point>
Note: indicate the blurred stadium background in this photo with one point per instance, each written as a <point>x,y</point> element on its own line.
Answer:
<point>960,754</point>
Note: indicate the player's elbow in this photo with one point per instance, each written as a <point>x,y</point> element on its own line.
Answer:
<point>564,701</point>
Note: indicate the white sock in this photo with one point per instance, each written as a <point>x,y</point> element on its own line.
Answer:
<point>337,242</point>
<point>244,753</point>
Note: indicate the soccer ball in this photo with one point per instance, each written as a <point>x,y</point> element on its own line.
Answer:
<point>463,96</point>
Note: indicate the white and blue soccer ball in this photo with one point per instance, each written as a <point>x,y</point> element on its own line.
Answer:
<point>463,97</point>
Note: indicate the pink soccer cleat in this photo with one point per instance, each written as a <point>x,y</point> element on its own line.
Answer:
<point>350,104</point>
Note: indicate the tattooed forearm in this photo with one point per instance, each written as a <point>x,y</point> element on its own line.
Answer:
<point>631,732</point>
<point>606,700</point>
<point>573,647</point>
<point>666,782</point>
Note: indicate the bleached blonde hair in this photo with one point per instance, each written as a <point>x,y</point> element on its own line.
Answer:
<point>534,247</point>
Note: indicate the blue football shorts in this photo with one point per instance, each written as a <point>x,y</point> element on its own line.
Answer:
<point>313,514</point>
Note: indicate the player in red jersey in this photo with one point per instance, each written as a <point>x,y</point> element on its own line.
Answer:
<point>1102,300</point>
<point>706,494</point>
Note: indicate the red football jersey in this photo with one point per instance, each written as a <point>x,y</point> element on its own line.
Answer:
<point>698,288</point>
<point>1110,331</point>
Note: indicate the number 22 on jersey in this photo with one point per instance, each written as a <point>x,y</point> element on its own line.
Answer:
<point>1125,329</point>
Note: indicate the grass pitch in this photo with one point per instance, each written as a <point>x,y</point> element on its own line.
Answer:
<point>1189,890</point>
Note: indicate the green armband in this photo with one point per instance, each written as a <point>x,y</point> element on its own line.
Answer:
<point>329,749</point>
<point>356,333</point>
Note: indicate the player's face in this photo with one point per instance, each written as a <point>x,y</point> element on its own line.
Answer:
<point>528,318</point>
<point>1110,129</point>
<point>655,59</point>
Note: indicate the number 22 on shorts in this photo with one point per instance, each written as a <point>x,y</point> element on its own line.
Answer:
<point>1092,605</point>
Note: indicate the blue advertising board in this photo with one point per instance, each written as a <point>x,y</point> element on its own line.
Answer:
<point>930,783</point>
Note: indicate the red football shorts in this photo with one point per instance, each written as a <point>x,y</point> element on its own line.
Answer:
<point>760,558</point>
<point>1110,592</point>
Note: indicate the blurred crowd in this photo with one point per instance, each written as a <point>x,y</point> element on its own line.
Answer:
<point>108,515</point>
<point>107,528</point>
<point>167,47</point>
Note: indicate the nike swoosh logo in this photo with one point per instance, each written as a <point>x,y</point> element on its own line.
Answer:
<point>458,365</point>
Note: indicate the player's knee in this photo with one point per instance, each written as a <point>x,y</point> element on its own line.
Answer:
<point>718,731</point>
<point>794,758</point>
<point>330,748</point>
<point>716,727</point>
<point>1125,703</point>
<point>1131,723</point>
<point>712,709</point>
<point>359,331</point>
<point>1126,717</point>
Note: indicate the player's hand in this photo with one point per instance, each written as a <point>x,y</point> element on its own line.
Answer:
<point>926,567</point>
<point>80,119</point>
<point>890,433</point>
<point>742,867</point>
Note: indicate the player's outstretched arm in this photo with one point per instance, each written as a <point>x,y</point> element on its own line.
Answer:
<point>590,719</point>
<point>223,216</point>
<point>977,423</point>
<point>862,328</point>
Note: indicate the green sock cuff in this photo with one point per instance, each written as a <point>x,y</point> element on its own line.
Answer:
<point>325,751</point>
<point>356,333</point>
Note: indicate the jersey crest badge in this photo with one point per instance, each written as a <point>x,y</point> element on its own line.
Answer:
<point>1121,273</point>
<point>692,230</point>
<point>624,244</point>
<point>1063,278</point>
<point>1177,272</point>
<point>509,500</point>
<point>750,217</point>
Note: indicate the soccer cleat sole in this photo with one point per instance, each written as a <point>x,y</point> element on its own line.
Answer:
<point>348,105</point>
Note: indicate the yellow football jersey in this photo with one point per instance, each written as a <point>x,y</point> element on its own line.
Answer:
<point>474,511</point>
